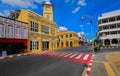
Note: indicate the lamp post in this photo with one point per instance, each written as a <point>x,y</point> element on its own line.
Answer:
<point>91,21</point>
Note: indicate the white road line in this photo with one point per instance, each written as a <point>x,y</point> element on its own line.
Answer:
<point>11,56</point>
<point>68,55</point>
<point>86,57</point>
<point>73,56</point>
<point>79,56</point>
<point>19,55</point>
<point>63,54</point>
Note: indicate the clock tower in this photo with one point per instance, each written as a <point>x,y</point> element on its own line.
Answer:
<point>48,10</point>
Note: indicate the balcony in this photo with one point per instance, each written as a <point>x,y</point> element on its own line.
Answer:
<point>108,30</point>
<point>109,23</point>
<point>115,36</point>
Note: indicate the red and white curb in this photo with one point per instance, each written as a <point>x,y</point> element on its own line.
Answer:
<point>13,56</point>
<point>89,67</point>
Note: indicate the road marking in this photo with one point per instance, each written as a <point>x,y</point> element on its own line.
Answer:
<point>109,69</point>
<point>68,55</point>
<point>19,55</point>
<point>63,54</point>
<point>10,56</point>
<point>73,56</point>
<point>79,56</point>
<point>86,57</point>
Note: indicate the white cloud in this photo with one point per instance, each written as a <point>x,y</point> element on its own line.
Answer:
<point>62,29</point>
<point>5,13</point>
<point>81,33</point>
<point>81,25</point>
<point>23,3</point>
<point>67,1</point>
<point>88,23</point>
<point>81,2</point>
<point>76,9</point>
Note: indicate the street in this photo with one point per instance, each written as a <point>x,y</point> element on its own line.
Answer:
<point>39,66</point>
<point>62,64</point>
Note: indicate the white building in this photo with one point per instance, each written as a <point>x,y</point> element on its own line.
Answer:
<point>109,28</point>
<point>82,38</point>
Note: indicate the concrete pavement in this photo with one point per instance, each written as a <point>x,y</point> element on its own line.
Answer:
<point>102,67</point>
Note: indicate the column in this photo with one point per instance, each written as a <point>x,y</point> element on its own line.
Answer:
<point>110,42</point>
<point>50,44</point>
<point>40,44</point>
<point>103,42</point>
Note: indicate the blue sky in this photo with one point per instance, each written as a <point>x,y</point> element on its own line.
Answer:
<point>67,13</point>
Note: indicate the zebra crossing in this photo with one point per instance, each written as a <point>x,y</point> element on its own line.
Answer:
<point>72,56</point>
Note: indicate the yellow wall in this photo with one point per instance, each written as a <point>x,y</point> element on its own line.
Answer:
<point>74,39</point>
<point>27,16</point>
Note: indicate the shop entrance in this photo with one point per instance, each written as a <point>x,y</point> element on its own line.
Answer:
<point>12,48</point>
<point>45,45</point>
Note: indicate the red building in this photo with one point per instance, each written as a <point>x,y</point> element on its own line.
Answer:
<point>13,36</point>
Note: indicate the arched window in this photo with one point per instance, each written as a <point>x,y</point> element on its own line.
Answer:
<point>114,41</point>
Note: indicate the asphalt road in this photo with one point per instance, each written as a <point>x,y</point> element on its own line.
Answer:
<point>39,66</point>
<point>82,48</point>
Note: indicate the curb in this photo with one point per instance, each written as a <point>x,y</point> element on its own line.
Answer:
<point>89,67</point>
<point>13,56</point>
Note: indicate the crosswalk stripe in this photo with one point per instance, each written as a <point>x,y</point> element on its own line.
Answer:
<point>86,57</point>
<point>63,54</point>
<point>68,55</point>
<point>57,53</point>
<point>79,56</point>
<point>73,56</point>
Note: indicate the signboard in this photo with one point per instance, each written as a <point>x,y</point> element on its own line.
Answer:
<point>2,27</point>
<point>10,28</point>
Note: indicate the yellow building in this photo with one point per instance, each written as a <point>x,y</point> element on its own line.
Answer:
<point>67,39</point>
<point>42,29</point>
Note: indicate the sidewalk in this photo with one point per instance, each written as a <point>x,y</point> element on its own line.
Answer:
<point>102,67</point>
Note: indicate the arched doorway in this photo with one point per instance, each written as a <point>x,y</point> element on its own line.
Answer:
<point>61,44</point>
<point>114,41</point>
<point>107,42</point>
<point>66,44</point>
<point>71,44</point>
<point>58,44</point>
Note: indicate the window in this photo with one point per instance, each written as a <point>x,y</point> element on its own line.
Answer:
<point>62,36</point>
<point>111,19</point>
<point>104,20</point>
<point>34,44</point>
<point>114,32</point>
<point>66,36</point>
<point>118,25</point>
<point>45,29</point>
<point>53,44</point>
<point>53,31</point>
<point>113,26</point>
<point>118,32</point>
<point>34,26</point>
<point>47,8</point>
<point>70,35</point>
<point>105,27</point>
<point>48,17</point>
<point>118,18</point>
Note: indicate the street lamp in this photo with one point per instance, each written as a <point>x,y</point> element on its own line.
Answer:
<point>91,21</point>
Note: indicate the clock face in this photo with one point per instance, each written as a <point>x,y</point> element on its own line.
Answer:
<point>47,8</point>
